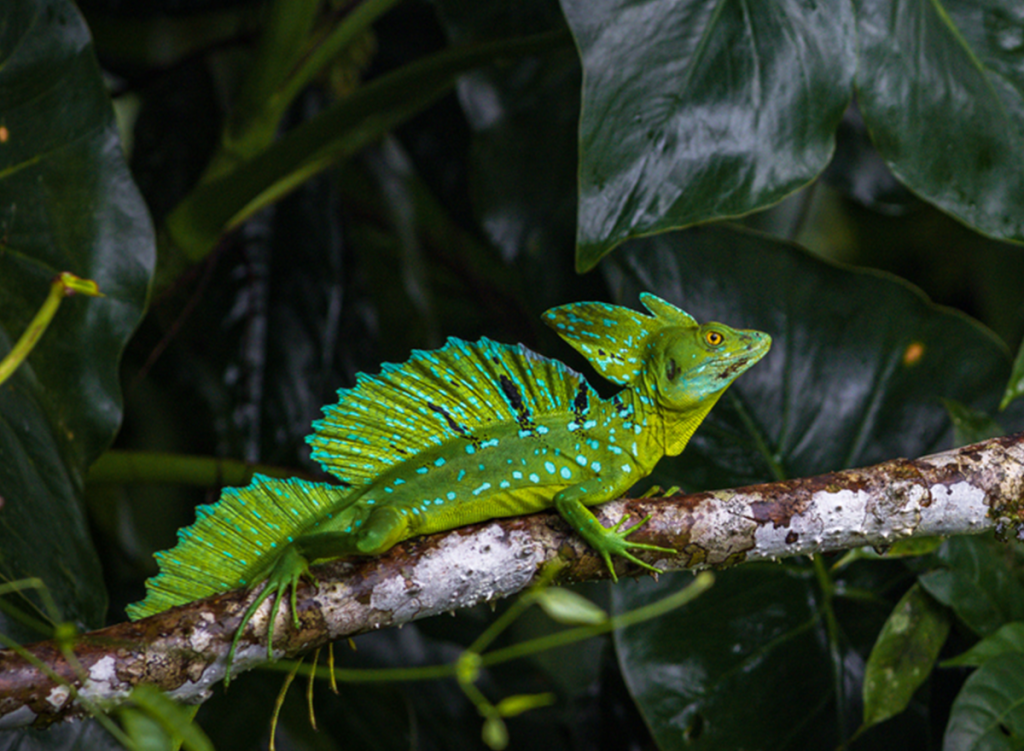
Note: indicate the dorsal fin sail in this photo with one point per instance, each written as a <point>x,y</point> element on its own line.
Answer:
<point>229,541</point>
<point>455,393</point>
<point>614,338</point>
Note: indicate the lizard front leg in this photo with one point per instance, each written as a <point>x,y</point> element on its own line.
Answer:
<point>572,503</point>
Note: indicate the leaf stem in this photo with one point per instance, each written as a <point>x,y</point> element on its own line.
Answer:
<point>64,285</point>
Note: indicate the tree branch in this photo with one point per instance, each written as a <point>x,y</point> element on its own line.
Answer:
<point>182,651</point>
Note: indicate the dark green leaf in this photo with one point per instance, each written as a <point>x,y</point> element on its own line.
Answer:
<point>707,676</point>
<point>988,713</point>
<point>699,110</point>
<point>525,118</point>
<point>67,203</point>
<point>977,582</point>
<point>1008,639</point>
<point>970,425</point>
<point>336,133</point>
<point>86,735</point>
<point>1015,386</point>
<point>941,88</point>
<point>904,654</point>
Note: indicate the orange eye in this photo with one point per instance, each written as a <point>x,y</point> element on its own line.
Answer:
<point>713,338</point>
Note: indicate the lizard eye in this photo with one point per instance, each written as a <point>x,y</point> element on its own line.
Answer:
<point>714,338</point>
<point>671,370</point>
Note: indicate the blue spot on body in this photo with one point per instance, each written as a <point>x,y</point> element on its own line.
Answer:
<point>517,475</point>
<point>451,495</point>
<point>470,449</point>
<point>596,466</point>
<point>534,478</point>
<point>482,488</point>
<point>439,463</point>
<point>566,473</point>
<point>581,460</point>
<point>421,470</point>
<point>462,473</point>
<point>550,467</point>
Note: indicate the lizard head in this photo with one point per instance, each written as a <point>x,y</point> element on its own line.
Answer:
<point>688,366</point>
<point>667,353</point>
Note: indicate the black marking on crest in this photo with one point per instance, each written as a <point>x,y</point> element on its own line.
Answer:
<point>581,402</point>
<point>448,418</point>
<point>515,399</point>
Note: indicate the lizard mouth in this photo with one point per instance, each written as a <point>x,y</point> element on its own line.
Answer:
<point>729,368</point>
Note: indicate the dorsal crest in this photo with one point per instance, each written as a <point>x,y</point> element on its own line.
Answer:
<point>614,338</point>
<point>459,393</point>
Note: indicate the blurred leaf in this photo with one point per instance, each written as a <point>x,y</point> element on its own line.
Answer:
<point>904,654</point>
<point>1008,639</point>
<point>709,675</point>
<point>511,706</point>
<point>524,117</point>
<point>67,203</point>
<point>155,721</point>
<point>341,130</point>
<point>941,88</point>
<point>977,582</point>
<point>970,425</point>
<point>84,735</point>
<point>858,170</point>
<point>1015,386</point>
<point>568,607</point>
<point>913,546</point>
<point>699,110</point>
<point>858,364</point>
<point>988,713</point>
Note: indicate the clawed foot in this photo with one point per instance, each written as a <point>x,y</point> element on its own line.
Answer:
<point>614,543</point>
<point>655,491</point>
<point>286,572</point>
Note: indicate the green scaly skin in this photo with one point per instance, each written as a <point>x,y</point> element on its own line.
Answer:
<point>468,433</point>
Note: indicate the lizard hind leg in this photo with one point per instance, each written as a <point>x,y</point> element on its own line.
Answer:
<point>286,572</point>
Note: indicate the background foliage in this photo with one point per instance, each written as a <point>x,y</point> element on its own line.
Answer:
<point>296,191</point>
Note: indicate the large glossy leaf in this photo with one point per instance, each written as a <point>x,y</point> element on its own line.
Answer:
<point>67,203</point>
<point>976,582</point>
<point>702,109</point>
<point>858,364</point>
<point>988,713</point>
<point>701,674</point>
<point>941,88</point>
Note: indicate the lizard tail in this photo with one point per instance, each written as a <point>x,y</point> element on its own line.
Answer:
<point>233,540</point>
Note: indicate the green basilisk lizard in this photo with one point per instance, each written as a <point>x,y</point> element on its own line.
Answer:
<point>466,433</point>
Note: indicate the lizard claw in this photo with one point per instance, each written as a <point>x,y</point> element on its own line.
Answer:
<point>287,571</point>
<point>615,542</point>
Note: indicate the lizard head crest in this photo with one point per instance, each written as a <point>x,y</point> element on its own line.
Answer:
<point>680,360</point>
